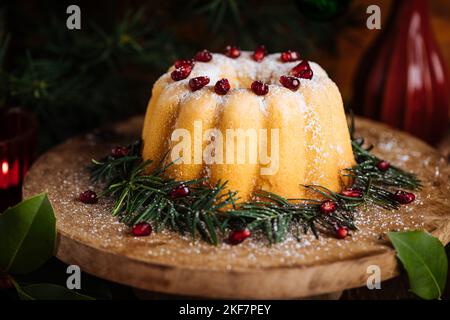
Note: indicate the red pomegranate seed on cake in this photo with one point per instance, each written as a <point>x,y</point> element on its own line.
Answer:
<point>260,88</point>
<point>232,52</point>
<point>222,87</point>
<point>181,73</point>
<point>198,83</point>
<point>203,56</point>
<point>119,152</point>
<point>184,62</point>
<point>238,236</point>
<point>289,56</point>
<point>307,74</point>
<point>352,193</point>
<point>88,196</point>
<point>328,207</point>
<point>142,229</point>
<point>259,53</point>
<point>383,165</point>
<point>290,82</point>
<point>302,70</point>
<point>179,191</point>
<point>404,197</point>
<point>341,232</point>
<point>286,56</point>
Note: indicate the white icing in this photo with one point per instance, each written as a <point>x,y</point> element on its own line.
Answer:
<point>268,70</point>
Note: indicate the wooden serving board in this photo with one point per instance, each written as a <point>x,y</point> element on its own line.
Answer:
<point>169,263</point>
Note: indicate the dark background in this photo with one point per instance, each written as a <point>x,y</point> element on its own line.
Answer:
<point>77,80</point>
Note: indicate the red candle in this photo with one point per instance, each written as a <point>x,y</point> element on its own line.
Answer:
<point>17,141</point>
<point>4,176</point>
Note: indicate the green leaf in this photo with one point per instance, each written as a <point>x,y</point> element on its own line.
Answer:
<point>27,235</point>
<point>423,256</point>
<point>48,291</point>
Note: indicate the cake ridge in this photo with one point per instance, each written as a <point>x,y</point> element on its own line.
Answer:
<point>314,142</point>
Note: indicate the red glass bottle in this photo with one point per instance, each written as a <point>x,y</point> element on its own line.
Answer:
<point>402,79</point>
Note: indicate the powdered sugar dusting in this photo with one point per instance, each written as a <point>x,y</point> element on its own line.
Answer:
<point>61,173</point>
<point>243,70</point>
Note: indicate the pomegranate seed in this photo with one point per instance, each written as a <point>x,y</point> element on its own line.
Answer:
<point>203,56</point>
<point>119,152</point>
<point>290,82</point>
<point>198,83</point>
<point>301,67</point>
<point>341,232</point>
<point>352,193</point>
<point>404,197</point>
<point>142,229</point>
<point>383,165</point>
<point>232,52</point>
<point>307,74</point>
<point>328,207</point>
<point>302,70</point>
<point>181,73</point>
<point>286,56</point>
<point>289,56</point>
<point>184,62</point>
<point>222,86</point>
<point>259,53</point>
<point>88,196</point>
<point>260,88</point>
<point>179,191</point>
<point>238,236</point>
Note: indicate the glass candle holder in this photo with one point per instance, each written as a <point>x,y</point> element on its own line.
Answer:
<point>17,145</point>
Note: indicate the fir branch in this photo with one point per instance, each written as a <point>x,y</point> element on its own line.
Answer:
<point>275,215</point>
<point>367,169</point>
<point>209,211</point>
<point>112,171</point>
<point>141,197</point>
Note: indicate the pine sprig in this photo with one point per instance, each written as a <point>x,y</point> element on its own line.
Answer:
<point>367,169</point>
<point>147,197</point>
<point>209,211</point>
<point>274,215</point>
<point>111,171</point>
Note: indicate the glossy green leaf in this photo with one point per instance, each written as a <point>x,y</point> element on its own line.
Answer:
<point>424,259</point>
<point>27,235</point>
<point>48,291</point>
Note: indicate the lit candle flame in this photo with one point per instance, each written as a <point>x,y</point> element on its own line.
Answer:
<point>5,167</point>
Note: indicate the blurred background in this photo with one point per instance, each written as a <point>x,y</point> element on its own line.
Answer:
<point>76,80</point>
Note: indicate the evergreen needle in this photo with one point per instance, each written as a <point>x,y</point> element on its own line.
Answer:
<point>209,211</point>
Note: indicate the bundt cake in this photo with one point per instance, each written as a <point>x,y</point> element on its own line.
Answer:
<point>259,121</point>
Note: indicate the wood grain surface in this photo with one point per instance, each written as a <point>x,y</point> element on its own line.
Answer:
<point>169,263</point>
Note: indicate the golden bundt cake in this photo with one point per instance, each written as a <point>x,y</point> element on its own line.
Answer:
<point>270,122</point>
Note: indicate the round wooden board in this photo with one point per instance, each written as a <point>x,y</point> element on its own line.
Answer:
<point>169,263</point>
